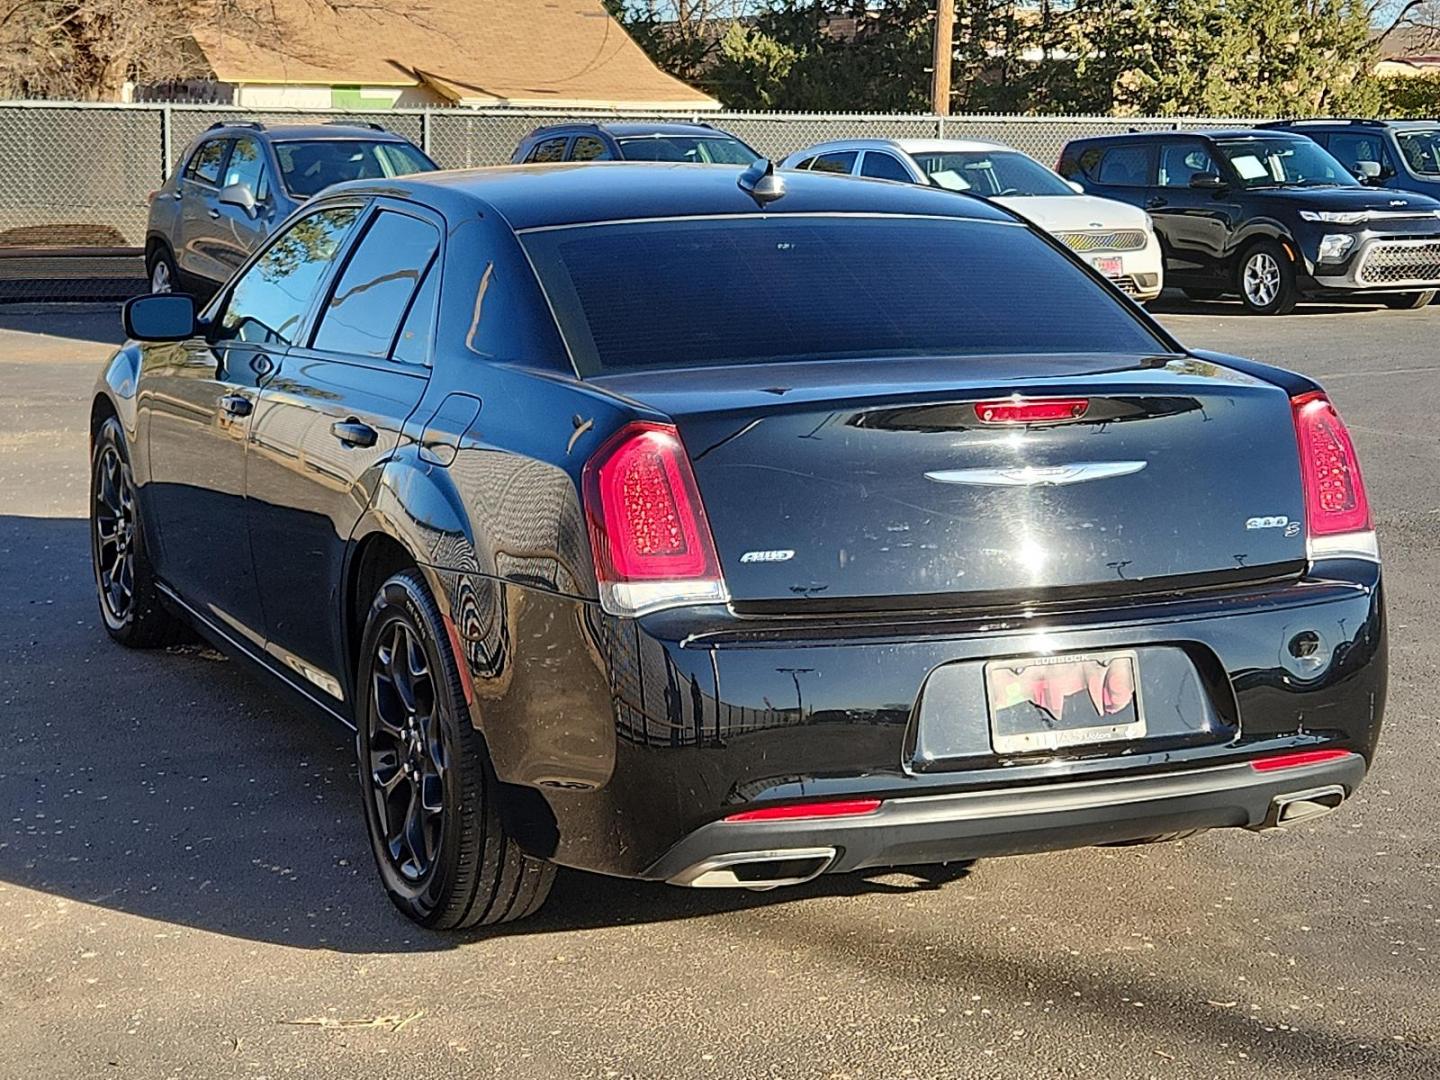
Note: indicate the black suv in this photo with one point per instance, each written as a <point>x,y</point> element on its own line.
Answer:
<point>1266,214</point>
<point>698,144</point>
<point>1402,155</point>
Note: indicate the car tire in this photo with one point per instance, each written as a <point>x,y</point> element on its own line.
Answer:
<point>431,797</point>
<point>1408,301</point>
<point>1203,294</point>
<point>1266,279</point>
<point>130,604</point>
<point>161,271</point>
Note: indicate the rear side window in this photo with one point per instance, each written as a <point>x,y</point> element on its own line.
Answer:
<point>750,290</point>
<point>548,150</point>
<point>377,285</point>
<point>1124,166</point>
<point>837,163</point>
<point>205,165</point>
<point>883,166</point>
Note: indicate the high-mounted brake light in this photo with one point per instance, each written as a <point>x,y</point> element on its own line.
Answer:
<point>648,531</point>
<point>1297,759</point>
<point>838,808</point>
<point>1018,410</point>
<point>1337,512</point>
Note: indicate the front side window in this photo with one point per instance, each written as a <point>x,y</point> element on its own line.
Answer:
<point>205,165</point>
<point>377,285</point>
<point>883,166</point>
<point>247,166</point>
<point>747,290</point>
<point>1350,150</point>
<point>309,166</point>
<point>1421,150</point>
<point>991,173</point>
<point>839,162</point>
<point>1294,162</point>
<point>694,149</point>
<point>548,150</point>
<point>1179,161</point>
<point>589,148</point>
<point>268,303</point>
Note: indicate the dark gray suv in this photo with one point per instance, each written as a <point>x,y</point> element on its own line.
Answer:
<point>237,182</point>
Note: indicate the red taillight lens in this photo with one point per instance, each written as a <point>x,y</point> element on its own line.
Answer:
<point>1335,499</point>
<point>838,808</point>
<point>1018,410</point>
<point>651,541</point>
<point>1297,759</point>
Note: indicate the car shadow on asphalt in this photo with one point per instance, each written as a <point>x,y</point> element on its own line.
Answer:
<point>92,323</point>
<point>181,786</point>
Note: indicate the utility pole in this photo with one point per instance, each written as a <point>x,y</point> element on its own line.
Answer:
<point>944,57</point>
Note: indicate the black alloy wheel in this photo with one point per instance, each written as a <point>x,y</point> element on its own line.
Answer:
<point>130,604</point>
<point>407,754</point>
<point>431,797</point>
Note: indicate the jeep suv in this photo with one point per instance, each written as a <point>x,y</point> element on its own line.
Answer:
<point>238,181</point>
<point>1401,155</point>
<point>1267,214</point>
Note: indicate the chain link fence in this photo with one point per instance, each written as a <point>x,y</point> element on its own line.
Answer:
<point>75,178</point>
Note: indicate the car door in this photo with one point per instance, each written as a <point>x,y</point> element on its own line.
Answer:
<point>1196,224</point>
<point>237,231</point>
<point>326,425</point>
<point>198,251</point>
<point>198,410</point>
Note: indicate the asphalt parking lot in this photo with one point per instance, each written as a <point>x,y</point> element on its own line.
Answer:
<point>186,889</point>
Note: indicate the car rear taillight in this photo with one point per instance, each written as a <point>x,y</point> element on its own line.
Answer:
<point>836,808</point>
<point>1018,410</point>
<point>648,531</point>
<point>1337,512</point>
<point>1298,760</point>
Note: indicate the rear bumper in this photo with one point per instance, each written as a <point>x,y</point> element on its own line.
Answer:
<point>967,825</point>
<point>624,741</point>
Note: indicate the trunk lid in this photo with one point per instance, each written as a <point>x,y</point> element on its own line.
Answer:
<point>828,488</point>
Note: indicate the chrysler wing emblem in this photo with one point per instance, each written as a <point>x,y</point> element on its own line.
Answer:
<point>1037,476</point>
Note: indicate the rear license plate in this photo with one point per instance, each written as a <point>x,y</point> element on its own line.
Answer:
<point>1112,266</point>
<point>1049,702</point>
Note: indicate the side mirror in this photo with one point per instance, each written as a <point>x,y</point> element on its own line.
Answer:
<point>1077,187</point>
<point>239,194</point>
<point>1209,181</point>
<point>1367,171</point>
<point>160,317</point>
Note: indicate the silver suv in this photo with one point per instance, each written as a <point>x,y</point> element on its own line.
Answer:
<point>238,181</point>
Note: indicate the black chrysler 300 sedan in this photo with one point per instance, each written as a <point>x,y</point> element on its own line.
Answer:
<point>706,527</point>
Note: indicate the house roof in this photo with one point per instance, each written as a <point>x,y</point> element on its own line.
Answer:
<point>568,53</point>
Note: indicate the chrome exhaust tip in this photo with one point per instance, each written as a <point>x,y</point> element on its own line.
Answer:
<point>1295,807</point>
<point>758,870</point>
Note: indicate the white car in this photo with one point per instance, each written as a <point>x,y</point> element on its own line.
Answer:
<point>1116,238</point>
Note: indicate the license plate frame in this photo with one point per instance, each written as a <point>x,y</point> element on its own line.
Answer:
<point>1111,266</point>
<point>1012,683</point>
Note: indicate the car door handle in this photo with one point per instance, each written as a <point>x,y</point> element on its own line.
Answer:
<point>236,405</point>
<point>214,213</point>
<point>1155,202</point>
<point>354,433</point>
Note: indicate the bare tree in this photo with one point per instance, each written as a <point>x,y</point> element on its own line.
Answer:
<point>88,49</point>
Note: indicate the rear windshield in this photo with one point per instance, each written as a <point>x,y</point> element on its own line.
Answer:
<point>308,167</point>
<point>695,149</point>
<point>747,290</point>
<point>991,173</point>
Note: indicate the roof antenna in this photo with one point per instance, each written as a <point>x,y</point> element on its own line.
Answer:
<point>760,182</point>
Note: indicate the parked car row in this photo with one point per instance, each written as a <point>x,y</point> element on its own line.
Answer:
<point>1289,211</point>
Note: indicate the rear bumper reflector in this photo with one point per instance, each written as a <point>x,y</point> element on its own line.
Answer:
<point>838,808</point>
<point>1297,760</point>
